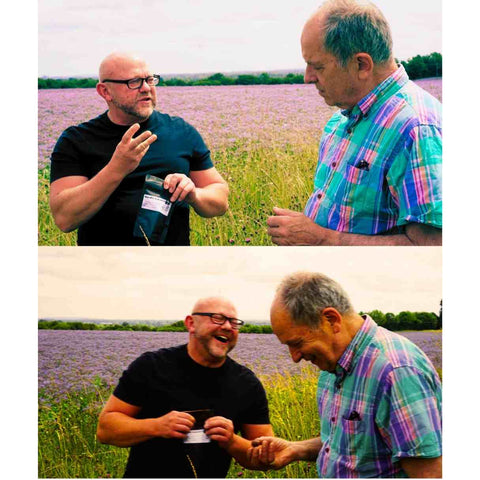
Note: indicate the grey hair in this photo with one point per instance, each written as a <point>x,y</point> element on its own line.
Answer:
<point>353,26</point>
<point>305,295</point>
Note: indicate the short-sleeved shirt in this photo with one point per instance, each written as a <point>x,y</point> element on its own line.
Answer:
<point>87,148</point>
<point>379,164</point>
<point>169,379</point>
<point>382,404</point>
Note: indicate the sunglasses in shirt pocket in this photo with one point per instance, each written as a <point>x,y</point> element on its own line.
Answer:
<point>351,435</point>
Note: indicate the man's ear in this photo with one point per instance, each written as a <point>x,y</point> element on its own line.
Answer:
<point>333,318</point>
<point>102,90</point>
<point>364,65</point>
<point>189,323</point>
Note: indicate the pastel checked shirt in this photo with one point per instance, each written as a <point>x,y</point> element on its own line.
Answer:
<point>383,403</point>
<point>379,164</point>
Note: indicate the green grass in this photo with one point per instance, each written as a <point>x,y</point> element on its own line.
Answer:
<point>48,232</point>
<point>68,447</point>
<point>259,179</point>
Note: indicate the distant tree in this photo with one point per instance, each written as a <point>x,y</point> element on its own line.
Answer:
<point>408,321</point>
<point>175,82</point>
<point>391,321</point>
<point>246,80</point>
<point>439,324</point>
<point>379,317</point>
<point>427,320</point>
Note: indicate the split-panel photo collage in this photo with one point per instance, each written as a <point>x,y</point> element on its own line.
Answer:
<point>240,239</point>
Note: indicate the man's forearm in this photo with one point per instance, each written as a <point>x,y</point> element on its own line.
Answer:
<point>415,235</point>
<point>354,239</point>
<point>115,428</point>
<point>211,201</point>
<point>307,450</point>
<point>75,205</point>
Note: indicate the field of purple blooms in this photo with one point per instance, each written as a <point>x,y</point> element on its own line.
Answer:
<point>274,115</point>
<point>263,139</point>
<point>75,360</point>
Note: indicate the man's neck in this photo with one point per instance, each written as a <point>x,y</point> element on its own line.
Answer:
<point>203,359</point>
<point>380,74</point>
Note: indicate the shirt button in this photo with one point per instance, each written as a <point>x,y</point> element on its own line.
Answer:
<point>319,195</point>
<point>349,130</point>
<point>334,164</point>
<point>333,419</point>
<point>327,450</point>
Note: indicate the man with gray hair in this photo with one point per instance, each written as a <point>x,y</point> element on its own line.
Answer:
<point>379,396</point>
<point>378,178</point>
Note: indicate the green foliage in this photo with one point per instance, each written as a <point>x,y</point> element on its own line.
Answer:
<point>67,83</point>
<point>403,321</point>
<point>408,321</point>
<point>420,66</point>
<point>124,326</point>
<point>48,232</point>
<point>252,328</point>
<point>379,317</point>
<point>428,320</point>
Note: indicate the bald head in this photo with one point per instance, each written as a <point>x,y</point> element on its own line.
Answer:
<point>116,63</point>
<point>215,305</point>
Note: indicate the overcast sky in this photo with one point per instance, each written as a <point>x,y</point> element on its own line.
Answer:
<point>190,36</point>
<point>164,283</point>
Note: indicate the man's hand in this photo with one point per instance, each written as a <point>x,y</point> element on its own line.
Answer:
<point>288,227</point>
<point>130,151</point>
<point>174,425</point>
<point>271,453</point>
<point>180,186</point>
<point>220,429</point>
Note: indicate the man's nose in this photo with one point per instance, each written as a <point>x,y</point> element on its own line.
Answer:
<point>309,77</point>
<point>227,325</point>
<point>145,87</point>
<point>295,354</point>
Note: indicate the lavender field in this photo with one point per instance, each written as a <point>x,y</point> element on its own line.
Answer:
<point>263,139</point>
<point>74,360</point>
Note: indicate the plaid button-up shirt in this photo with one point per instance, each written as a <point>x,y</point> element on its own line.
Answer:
<point>383,403</point>
<point>379,164</point>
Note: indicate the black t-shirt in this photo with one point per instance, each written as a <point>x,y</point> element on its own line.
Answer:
<point>85,149</point>
<point>169,379</point>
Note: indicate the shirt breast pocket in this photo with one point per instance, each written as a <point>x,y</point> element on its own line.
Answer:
<point>351,436</point>
<point>353,191</point>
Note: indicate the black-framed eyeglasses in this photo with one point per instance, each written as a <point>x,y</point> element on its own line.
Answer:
<point>136,83</point>
<point>220,319</point>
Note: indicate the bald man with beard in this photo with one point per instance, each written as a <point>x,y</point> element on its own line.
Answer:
<point>98,168</point>
<point>181,409</point>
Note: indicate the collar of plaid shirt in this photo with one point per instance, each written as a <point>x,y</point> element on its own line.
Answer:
<point>386,89</point>
<point>355,349</point>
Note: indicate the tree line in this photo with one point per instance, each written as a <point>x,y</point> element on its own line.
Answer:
<point>420,66</point>
<point>402,321</point>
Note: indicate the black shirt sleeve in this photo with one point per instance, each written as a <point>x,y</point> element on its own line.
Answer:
<point>201,159</point>
<point>134,383</point>
<point>257,411</point>
<point>65,158</point>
